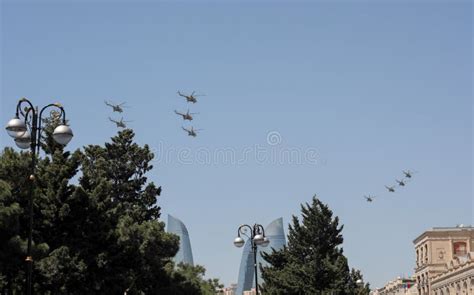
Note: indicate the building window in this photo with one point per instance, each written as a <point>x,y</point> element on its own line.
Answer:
<point>426,253</point>
<point>422,256</point>
<point>459,248</point>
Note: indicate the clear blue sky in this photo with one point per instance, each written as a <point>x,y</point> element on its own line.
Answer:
<point>373,88</point>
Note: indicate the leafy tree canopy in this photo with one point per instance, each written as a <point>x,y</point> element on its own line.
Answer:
<point>191,281</point>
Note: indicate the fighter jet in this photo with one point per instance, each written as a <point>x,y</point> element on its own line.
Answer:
<point>390,189</point>
<point>120,124</point>
<point>369,198</point>
<point>400,182</point>
<point>191,132</point>
<point>186,116</point>
<point>189,98</point>
<point>115,107</point>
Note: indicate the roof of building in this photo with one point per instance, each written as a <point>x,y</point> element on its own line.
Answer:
<point>460,228</point>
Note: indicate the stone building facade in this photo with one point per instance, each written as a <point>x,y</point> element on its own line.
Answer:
<point>444,261</point>
<point>458,277</point>
<point>399,286</point>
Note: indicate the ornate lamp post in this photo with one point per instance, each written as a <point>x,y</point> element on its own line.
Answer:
<point>26,130</point>
<point>257,238</point>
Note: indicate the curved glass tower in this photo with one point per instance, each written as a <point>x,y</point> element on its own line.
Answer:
<point>177,227</point>
<point>275,233</point>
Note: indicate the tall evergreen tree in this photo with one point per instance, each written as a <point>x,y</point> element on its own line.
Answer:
<point>313,261</point>
<point>128,246</point>
<point>14,196</point>
<point>96,222</point>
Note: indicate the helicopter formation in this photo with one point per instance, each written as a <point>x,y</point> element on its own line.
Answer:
<point>190,98</point>
<point>408,175</point>
<point>187,116</point>
<point>118,108</point>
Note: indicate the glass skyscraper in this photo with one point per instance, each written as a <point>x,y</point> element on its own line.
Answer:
<point>177,227</point>
<point>275,233</point>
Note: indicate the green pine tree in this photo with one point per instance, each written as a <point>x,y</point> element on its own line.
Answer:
<point>96,221</point>
<point>313,261</point>
<point>14,196</point>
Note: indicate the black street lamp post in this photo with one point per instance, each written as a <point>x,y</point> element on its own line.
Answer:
<point>257,238</point>
<point>25,128</point>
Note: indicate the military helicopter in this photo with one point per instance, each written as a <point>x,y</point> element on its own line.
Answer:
<point>408,173</point>
<point>191,132</point>
<point>369,198</point>
<point>400,182</point>
<point>115,107</point>
<point>390,189</point>
<point>189,98</point>
<point>186,116</point>
<point>121,123</point>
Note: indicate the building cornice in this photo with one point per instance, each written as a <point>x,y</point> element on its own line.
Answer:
<point>454,232</point>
